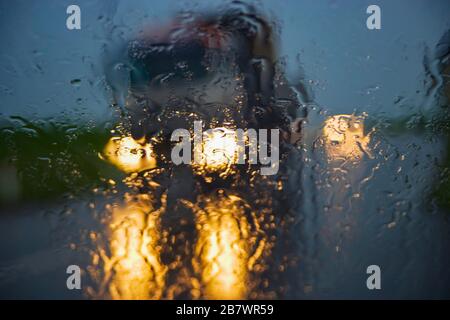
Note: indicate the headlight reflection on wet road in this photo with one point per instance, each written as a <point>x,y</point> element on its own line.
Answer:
<point>225,251</point>
<point>224,247</point>
<point>134,269</point>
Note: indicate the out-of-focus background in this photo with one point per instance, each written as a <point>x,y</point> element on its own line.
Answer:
<point>387,203</point>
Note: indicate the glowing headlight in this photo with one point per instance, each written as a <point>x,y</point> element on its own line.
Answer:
<point>344,137</point>
<point>129,155</point>
<point>219,150</point>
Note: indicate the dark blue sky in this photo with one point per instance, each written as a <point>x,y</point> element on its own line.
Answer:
<point>326,42</point>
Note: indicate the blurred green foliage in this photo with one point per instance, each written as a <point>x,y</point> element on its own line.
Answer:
<point>41,160</point>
